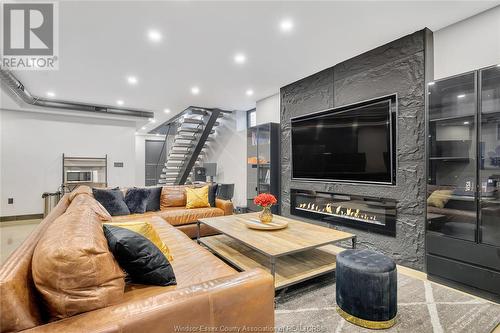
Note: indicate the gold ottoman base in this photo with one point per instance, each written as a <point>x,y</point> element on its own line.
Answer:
<point>376,325</point>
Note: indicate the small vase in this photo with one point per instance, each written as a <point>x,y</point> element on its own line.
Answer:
<point>265,215</point>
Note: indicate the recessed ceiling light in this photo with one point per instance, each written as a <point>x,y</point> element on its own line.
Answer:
<point>466,123</point>
<point>157,134</point>
<point>195,90</point>
<point>240,58</point>
<point>154,35</point>
<point>461,96</point>
<point>51,94</point>
<point>286,25</point>
<point>132,80</point>
<point>249,92</point>
<point>166,110</point>
<point>143,127</point>
<point>120,102</point>
<point>431,83</point>
<point>152,120</point>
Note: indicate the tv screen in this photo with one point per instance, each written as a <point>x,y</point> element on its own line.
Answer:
<point>352,144</point>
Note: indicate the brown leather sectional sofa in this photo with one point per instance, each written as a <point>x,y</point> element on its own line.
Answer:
<point>173,210</point>
<point>209,293</point>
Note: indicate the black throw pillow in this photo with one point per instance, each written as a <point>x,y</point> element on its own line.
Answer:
<point>112,200</point>
<point>139,257</point>
<point>154,199</point>
<point>212,190</point>
<point>137,199</point>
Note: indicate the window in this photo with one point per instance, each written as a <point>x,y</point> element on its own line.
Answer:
<point>251,118</point>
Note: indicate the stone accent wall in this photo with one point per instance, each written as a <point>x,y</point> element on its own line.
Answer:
<point>397,67</point>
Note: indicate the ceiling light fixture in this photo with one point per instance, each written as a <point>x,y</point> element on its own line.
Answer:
<point>166,110</point>
<point>120,102</point>
<point>461,96</point>
<point>249,92</point>
<point>132,80</point>
<point>286,25</point>
<point>157,134</point>
<point>466,123</point>
<point>143,127</point>
<point>240,58</point>
<point>51,94</point>
<point>152,120</point>
<point>154,36</point>
<point>195,90</point>
<point>431,83</point>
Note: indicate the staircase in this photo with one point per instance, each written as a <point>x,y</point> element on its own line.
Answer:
<point>191,131</point>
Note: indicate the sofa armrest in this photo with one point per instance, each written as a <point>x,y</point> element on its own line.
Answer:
<point>242,299</point>
<point>225,205</point>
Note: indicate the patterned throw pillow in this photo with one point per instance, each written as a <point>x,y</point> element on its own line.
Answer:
<point>197,197</point>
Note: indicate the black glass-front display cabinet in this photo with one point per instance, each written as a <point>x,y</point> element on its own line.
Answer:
<point>463,179</point>
<point>263,164</point>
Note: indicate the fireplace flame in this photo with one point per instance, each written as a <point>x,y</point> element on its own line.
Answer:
<point>330,209</point>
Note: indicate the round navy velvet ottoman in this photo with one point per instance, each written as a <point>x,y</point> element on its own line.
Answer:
<point>366,288</point>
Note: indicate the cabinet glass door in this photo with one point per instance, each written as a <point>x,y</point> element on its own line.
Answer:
<point>252,167</point>
<point>264,149</point>
<point>452,201</point>
<point>489,164</point>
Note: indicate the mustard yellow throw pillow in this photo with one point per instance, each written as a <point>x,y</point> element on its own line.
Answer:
<point>197,197</point>
<point>147,230</point>
<point>439,198</point>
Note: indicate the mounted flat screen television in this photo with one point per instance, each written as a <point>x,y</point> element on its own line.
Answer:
<point>354,143</point>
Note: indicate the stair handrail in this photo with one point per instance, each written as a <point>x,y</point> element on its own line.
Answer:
<point>186,168</point>
<point>163,153</point>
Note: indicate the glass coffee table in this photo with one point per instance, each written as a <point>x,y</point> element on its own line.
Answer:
<point>294,254</point>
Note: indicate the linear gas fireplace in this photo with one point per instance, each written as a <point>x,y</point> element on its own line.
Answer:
<point>368,213</point>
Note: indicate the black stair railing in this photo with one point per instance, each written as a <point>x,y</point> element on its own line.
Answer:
<point>186,168</point>
<point>163,155</point>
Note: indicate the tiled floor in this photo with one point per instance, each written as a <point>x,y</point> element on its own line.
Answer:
<point>12,235</point>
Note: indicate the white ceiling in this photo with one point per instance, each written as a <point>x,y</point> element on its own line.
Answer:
<point>103,42</point>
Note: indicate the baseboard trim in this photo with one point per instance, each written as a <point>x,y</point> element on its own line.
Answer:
<point>21,217</point>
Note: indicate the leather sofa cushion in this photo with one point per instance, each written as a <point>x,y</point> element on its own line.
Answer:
<point>82,189</point>
<point>187,216</point>
<point>87,200</point>
<point>72,267</point>
<point>173,196</point>
<point>19,299</point>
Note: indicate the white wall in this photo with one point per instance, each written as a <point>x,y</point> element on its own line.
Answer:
<point>31,151</point>
<point>268,110</point>
<point>468,45</point>
<point>229,151</point>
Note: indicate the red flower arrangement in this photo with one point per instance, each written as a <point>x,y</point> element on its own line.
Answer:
<point>265,200</point>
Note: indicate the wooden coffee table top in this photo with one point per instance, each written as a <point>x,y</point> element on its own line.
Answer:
<point>298,236</point>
